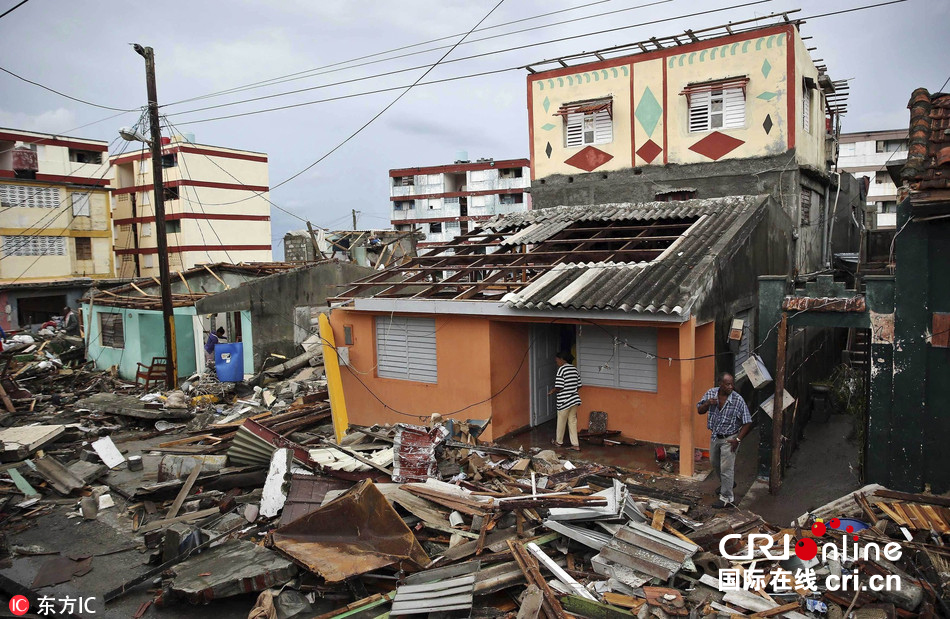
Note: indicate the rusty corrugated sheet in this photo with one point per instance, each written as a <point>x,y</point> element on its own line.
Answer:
<point>824,304</point>
<point>415,452</point>
<point>354,534</point>
<point>306,495</point>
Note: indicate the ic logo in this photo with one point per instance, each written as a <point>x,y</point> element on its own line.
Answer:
<point>19,605</point>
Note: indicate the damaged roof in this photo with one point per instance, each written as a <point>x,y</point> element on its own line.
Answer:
<point>652,257</point>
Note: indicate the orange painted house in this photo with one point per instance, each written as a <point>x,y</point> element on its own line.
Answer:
<point>642,294</point>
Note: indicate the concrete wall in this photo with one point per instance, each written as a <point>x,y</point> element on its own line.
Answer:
<point>650,113</point>
<point>143,339</point>
<point>271,302</point>
<point>10,299</point>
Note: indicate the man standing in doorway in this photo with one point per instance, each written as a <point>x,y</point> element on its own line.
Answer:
<point>729,421</point>
<point>213,339</point>
<point>567,382</point>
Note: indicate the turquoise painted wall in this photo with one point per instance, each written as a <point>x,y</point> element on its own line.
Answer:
<point>143,340</point>
<point>247,338</point>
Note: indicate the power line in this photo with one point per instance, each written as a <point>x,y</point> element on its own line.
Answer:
<point>314,72</point>
<point>53,136</point>
<point>485,54</point>
<point>8,11</point>
<point>62,94</point>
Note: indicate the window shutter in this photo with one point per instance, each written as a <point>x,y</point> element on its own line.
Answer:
<point>80,204</point>
<point>575,130</point>
<point>733,108</point>
<point>699,111</point>
<point>111,330</point>
<point>603,127</point>
<point>806,110</point>
<point>595,357</point>
<point>405,348</point>
<point>636,367</point>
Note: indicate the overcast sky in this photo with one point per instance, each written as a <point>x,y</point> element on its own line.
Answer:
<point>202,47</point>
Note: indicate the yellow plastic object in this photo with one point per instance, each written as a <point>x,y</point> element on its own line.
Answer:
<point>208,398</point>
<point>331,364</point>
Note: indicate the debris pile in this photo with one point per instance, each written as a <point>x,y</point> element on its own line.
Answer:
<point>241,490</point>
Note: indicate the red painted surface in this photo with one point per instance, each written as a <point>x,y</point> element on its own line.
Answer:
<point>791,88</point>
<point>174,216</point>
<point>141,156</point>
<point>649,151</point>
<point>435,220</point>
<point>666,123</point>
<point>192,183</point>
<point>460,167</point>
<point>32,139</point>
<point>633,122</point>
<point>531,153</point>
<point>589,159</point>
<point>716,145</point>
<point>61,179</point>
<point>181,248</point>
<point>457,194</point>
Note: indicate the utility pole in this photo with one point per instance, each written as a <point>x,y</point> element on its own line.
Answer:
<point>354,217</point>
<point>171,377</point>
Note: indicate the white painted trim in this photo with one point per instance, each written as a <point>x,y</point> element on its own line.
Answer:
<point>488,308</point>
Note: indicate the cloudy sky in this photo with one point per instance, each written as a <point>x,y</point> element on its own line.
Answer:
<point>204,47</point>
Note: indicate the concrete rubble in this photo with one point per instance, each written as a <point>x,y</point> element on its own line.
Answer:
<point>240,491</point>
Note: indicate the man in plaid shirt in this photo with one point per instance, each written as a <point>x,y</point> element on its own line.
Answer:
<point>729,421</point>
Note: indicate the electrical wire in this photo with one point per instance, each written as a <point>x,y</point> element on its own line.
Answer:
<point>314,71</point>
<point>10,10</point>
<point>62,94</point>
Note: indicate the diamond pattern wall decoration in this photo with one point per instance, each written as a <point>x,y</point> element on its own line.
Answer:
<point>589,159</point>
<point>649,151</point>
<point>546,104</point>
<point>648,111</point>
<point>548,150</point>
<point>715,145</point>
<point>548,126</point>
<point>767,125</point>
<point>768,95</point>
<point>766,68</point>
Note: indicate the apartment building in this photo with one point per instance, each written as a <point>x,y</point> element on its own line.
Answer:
<point>865,155</point>
<point>216,207</point>
<point>444,201</point>
<point>55,223</point>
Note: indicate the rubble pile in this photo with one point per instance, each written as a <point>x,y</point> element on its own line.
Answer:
<point>230,490</point>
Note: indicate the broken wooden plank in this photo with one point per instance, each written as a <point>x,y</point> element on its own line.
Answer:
<point>161,524</point>
<point>659,516</point>
<point>183,493</point>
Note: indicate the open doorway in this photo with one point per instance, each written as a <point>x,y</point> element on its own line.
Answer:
<point>546,341</point>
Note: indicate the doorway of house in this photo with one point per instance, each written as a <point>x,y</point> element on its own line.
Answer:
<point>546,341</point>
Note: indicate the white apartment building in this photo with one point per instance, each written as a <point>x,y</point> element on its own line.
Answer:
<point>216,207</point>
<point>445,201</point>
<point>865,155</point>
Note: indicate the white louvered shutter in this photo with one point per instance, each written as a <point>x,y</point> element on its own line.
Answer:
<point>699,111</point>
<point>405,348</point>
<point>603,127</point>
<point>733,108</point>
<point>595,356</point>
<point>636,367</point>
<point>806,110</point>
<point>575,130</point>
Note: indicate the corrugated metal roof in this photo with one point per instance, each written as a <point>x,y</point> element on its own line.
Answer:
<point>670,284</point>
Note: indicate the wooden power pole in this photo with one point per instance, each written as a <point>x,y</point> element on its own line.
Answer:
<point>164,276</point>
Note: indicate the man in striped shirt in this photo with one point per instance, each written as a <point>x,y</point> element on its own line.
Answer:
<point>728,421</point>
<point>567,382</point>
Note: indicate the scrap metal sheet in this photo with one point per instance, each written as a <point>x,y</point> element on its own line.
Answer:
<point>354,534</point>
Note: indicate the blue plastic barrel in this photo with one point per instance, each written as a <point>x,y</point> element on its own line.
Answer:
<point>229,362</point>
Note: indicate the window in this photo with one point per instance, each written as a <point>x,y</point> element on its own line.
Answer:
<point>890,146</point>
<point>745,340</point>
<point>405,348</point>
<point>881,177</point>
<point>146,229</point>
<point>148,261</point>
<point>170,160</point>
<point>111,330</point>
<point>806,109</point>
<point>806,206</point>
<point>435,228</point>
<point>80,204</point>
<point>512,198</point>
<point>173,226</point>
<point>83,248</point>
<point>348,335</point>
<point>587,122</point>
<point>511,173</point>
<point>85,156</point>
<point>619,357</point>
<point>170,193</point>
<point>33,246</point>
<point>404,181</point>
<point>29,196</point>
<point>716,105</point>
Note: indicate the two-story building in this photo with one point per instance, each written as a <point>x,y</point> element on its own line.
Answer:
<point>55,223</point>
<point>445,201</point>
<point>217,207</point>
